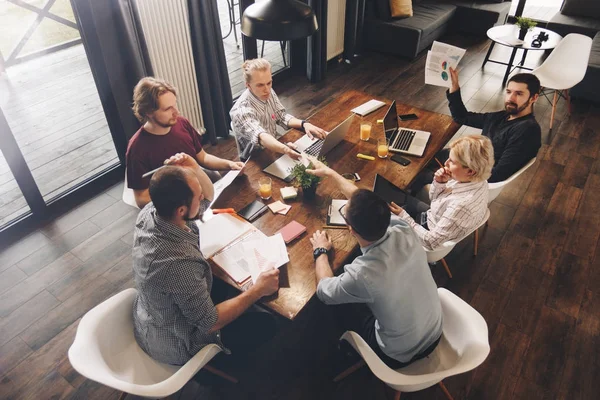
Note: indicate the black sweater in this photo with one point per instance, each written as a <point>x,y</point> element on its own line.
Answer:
<point>515,142</point>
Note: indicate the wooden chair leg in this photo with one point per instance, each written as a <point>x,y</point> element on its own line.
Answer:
<point>446,392</point>
<point>568,98</point>
<point>445,264</point>
<point>554,101</point>
<point>122,396</point>
<point>397,395</point>
<point>350,370</point>
<point>475,242</point>
<point>220,373</point>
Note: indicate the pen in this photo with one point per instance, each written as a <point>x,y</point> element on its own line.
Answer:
<point>223,211</point>
<point>295,150</point>
<point>153,171</point>
<point>438,161</point>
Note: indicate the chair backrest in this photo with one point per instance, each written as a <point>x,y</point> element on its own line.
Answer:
<point>463,347</point>
<point>446,248</point>
<point>105,350</point>
<point>128,195</point>
<point>496,188</point>
<point>567,64</point>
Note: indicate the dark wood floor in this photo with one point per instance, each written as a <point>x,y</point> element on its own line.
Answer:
<point>536,279</point>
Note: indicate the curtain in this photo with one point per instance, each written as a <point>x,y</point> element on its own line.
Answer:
<point>211,68</point>
<point>316,65</point>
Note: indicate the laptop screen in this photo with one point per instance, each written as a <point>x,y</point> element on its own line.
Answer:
<point>390,121</point>
<point>388,191</point>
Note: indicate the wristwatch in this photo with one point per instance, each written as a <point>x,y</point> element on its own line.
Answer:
<point>302,124</point>
<point>318,251</point>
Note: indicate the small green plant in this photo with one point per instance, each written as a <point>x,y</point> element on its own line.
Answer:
<point>302,178</point>
<point>525,23</point>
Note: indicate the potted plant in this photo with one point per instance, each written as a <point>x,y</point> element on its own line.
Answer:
<point>306,181</point>
<point>524,24</point>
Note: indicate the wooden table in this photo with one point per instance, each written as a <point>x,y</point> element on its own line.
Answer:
<point>297,278</point>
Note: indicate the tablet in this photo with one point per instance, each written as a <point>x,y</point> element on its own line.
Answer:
<point>388,191</point>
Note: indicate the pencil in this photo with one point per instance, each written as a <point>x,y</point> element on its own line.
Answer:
<point>153,171</point>
<point>334,227</point>
<point>439,163</point>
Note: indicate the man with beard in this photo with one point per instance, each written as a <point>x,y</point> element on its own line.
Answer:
<point>164,132</point>
<point>176,312</point>
<point>515,134</point>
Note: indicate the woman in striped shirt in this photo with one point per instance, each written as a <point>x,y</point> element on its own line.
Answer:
<point>459,193</point>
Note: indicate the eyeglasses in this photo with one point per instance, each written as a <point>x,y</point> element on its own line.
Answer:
<point>343,215</point>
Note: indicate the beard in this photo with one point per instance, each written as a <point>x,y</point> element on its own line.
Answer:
<point>194,218</point>
<point>166,125</point>
<point>513,108</point>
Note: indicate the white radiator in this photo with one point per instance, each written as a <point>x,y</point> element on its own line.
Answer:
<point>336,21</point>
<point>167,33</point>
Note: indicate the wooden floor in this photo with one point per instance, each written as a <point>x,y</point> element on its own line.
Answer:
<point>536,279</point>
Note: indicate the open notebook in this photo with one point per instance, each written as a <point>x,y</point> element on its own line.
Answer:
<point>239,248</point>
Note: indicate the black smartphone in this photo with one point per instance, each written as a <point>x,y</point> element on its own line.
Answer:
<point>407,117</point>
<point>400,160</point>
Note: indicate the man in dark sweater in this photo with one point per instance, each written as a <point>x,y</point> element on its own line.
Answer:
<point>515,134</point>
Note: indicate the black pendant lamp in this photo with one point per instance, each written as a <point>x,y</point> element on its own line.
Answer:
<point>279,20</point>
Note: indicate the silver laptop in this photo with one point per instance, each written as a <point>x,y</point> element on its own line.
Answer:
<point>315,147</point>
<point>403,140</point>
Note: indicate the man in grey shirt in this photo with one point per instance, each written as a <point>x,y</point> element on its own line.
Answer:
<point>174,313</point>
<point>402,320</point>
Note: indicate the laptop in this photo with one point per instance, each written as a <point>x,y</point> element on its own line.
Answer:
<point>281,167</point>
<point>403,140</point>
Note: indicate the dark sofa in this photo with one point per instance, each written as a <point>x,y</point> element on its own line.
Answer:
<point>582,16</point>
<point>407,37</point>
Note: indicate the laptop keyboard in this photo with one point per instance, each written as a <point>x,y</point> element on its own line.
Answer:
<point>403,139</point>
<point>315,148</point>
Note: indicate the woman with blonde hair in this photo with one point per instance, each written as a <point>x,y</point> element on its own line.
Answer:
<point>459,193</point>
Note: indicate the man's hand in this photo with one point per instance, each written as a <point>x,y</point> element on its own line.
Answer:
<point>236,165</point>
<point>454,79</point>
<point>395,208</point>
<point>321,239</point>
<point>290,151</point>
<point>182,160</point>
<point>442,175</point>
<point>314,131</point>
<point>318,169</point>
<point>267,282</point>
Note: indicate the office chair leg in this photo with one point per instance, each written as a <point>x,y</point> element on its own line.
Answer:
<point>220,373</point>
<point>446,392</point>
<point>350,370</point>
<point>445,264</point>
<point>475,242</point>
<point>554,101</point>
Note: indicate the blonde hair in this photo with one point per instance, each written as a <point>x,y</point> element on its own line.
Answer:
<point>146,94</point>
<point>476,153</point>
<point>256,64</point>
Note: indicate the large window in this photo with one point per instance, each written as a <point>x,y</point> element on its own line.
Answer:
<point>541,10</point>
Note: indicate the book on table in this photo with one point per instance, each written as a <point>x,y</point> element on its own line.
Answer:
<point>240,249</point>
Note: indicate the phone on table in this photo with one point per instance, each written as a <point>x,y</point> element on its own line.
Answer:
<point>407,117</point>
<point>400,160</point>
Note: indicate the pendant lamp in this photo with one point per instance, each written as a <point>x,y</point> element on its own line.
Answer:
<point>279,20</point>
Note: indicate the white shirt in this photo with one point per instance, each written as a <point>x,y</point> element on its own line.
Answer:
<point>456,210</point>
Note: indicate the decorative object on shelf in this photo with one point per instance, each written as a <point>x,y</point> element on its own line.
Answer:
<point>525,25</point>
<point>306,181</point>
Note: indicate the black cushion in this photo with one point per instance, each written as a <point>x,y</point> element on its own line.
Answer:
<point>588,88</point>
<point>427,17</point>
<point>581,8</point>
<point>565,24</point>
<point>383,9</point>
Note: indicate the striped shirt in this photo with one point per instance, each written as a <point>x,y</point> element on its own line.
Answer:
<point>173,311</point>
<point>456,210</point>
<point>251,116</point>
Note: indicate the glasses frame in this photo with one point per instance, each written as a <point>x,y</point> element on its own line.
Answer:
<point>343,215</point>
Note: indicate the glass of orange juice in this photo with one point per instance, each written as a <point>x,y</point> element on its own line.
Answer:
<point>264,188</point>
<point>382,147</point>
<point>365,130</point>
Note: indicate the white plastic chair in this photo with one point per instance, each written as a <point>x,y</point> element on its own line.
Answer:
<point>463,347</point>
<point>442,251</point>
<point>105,351</point>
<point>128,195</point>
<point>496,188</point>
<point>564,68</point>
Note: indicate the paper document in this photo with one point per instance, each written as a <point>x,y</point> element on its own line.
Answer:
<point>264,253</point>
<point>333,216</point>
<point>220,231</point>
<point>234,261</point>
<point>225,181</point>
<point>440,59</point>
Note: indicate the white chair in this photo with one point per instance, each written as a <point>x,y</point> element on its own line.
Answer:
<point>496,188</point>
<point>463,347</point>
<point>128,195</point>
<point>105,351</point>
<point>442,251</point>
<point>564,68</point>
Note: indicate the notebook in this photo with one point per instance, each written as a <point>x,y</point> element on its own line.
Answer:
<point>291,231</point>
<point>368,107</point>
<point>253,210</point>
<point>333,214</point>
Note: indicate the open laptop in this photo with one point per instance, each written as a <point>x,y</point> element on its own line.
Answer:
<point>315,147</point>
<point>403,140</point>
